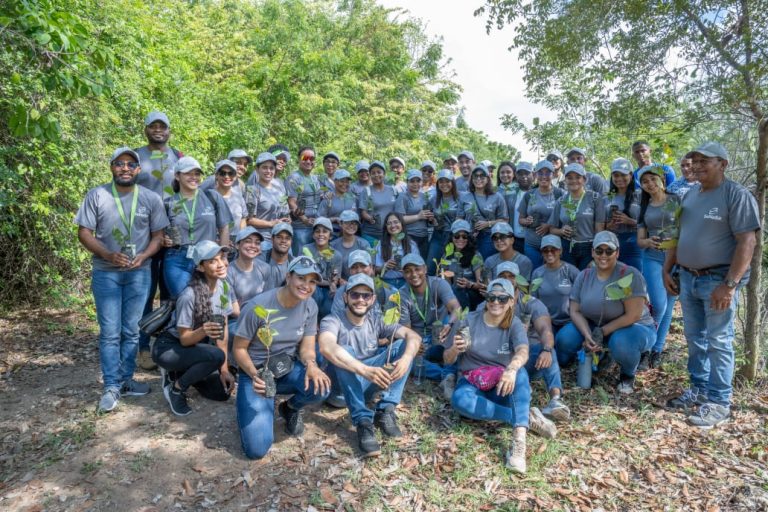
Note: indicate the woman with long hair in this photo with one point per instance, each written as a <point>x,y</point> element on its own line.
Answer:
<point>395,243</point>
<point>513,182</point>
<point>341,199</point>
<point>304,196</point>
<point>375,203</point>
<point>266,199</point>
<point>535,209</point>
<point>622,208</point>
<point>483,208</point>
<point>446,207</point>
<point>226,176</point>
<point>413,205</point>
<point>465,265</point>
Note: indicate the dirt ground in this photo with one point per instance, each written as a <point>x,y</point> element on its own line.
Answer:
<point>58,454</point>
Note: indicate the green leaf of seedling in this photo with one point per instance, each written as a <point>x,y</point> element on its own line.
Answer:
<point>457,255</point>
<point>521,281</point>
<point>168,190</point>
<point>625,281</point>
<point>392,316</point>
<point>273,320</point>
<point>156,155</point>
<point>399,237</point>
<point>157,174</point>
<point>307,252</point>
<point>395,298</point>
<point>444,263</point>
<point>261,312</point>
<point>449,250</point>
<point>535,284</point>
<point>477,260</point>
<point>614,293</point>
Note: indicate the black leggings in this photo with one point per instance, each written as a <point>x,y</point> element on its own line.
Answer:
<point>196,366</point>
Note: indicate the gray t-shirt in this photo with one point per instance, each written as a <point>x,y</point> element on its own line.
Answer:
<point>540,207</point>
<point>417,315</point>
<point>184,314</point>
<point>596,183</point>
<point>269,203</point>
<point>533,307</point>
<point>156,169</point>
<point>327,264</point>
<point>555,290</point>
<point>523,263</point>
<point>236,204</point>
<point>338,246</point>
<point>491,346</point>
<point>591,295</point>
<point>207,217</point>
<point>406,204</point>
<point>307,189</point>
<point>710,220</point>
<point>462,184</point>
<point>297,322</point>
<point>335,205</point>
<point>378,203</point>
<point>446,212</point>
<point>619,201</point>
<point>99,214</point>
<point>363,338</point>
<point>661,221</point>
<point>485,208</point>
<point>396,249</point>
<point>589,211</point>
<point>248,284</point>
<point>279,270</point>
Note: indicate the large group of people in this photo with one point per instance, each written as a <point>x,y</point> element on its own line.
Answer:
<point>338,286</point>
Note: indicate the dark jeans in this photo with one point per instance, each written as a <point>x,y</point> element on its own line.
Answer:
<point>156,269</point>
<point>422,242</point>
<point>578,254</point>
<point>196,366</point>
<point>629,252</point>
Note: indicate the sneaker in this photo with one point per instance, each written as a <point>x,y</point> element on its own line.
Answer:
<point>165,381</point>
<point>688,401</point>
<point>109,400</point>
<point>366,439</point>
<point>294,418</point>
<point>448,385</point>
<point>336,401</point>
<point>656,361</point>
<point>710,415</point>
<point>177,399</point>
<point>557,410</point>
<point>540,425</point>
<point>645,362</point>
<point>386,420</point>
<point>133,388</point>
<point>626,385</point>
<point>515,456</point>
<point>145,360</point>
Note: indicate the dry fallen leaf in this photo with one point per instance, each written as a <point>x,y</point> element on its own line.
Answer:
<point>199,468</point>
<point>327,494</point>
<point>542,448</point>
<point>188,488</point>
<point>650,476</point>
<point>685,490</point>
<point>351,488</point>
<point>623,477</point>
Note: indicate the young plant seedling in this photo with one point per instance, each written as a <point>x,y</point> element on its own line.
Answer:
<point>266,334</point>
<point>392,317</point>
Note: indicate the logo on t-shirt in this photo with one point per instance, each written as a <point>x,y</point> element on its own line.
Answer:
<point>142,211</point>
<point>713,214</point>
<point>209,210</point>
<point>504,349</point>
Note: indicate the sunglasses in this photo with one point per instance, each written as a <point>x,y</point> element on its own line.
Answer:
<point>549,249</point>
<point>122,163</point>
<point>501,299</point>
<point>544,173</point>
<point>496,238</point>
<point>479,177</point>
<point>307,158</point>
<point>607,251</point>
<point>427,171</point>
<point>366,296</point>
<point>226,174</point>
<point>415,179</point>
<point>461,237</point>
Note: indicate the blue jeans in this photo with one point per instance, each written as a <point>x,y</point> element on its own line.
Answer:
<point>709,334</point>
<point>625,344</point>
<point>324,299</point>
<point>550,375</point>
<point>301,238</point>
<point>395,282</point>
<point>512,409</point>
<point>119,297</point>
<point>662,304</point>
<point>485,244</point>
<point>177,270</point>
<point>436,249</point>
<point>256,414</point>
<point>534,254</point>
<point>357,389</point>
<point>432,369</point>
<point>579,254</point>
<point>422,242</point>
<point>629,252</point>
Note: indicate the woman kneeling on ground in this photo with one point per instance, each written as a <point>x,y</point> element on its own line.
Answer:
<point>494,384</point>
<point>193,352</point>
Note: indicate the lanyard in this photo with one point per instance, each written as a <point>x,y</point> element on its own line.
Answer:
<point>128,224</point>
<point>576,210</point>
<point>422,314</point>
<point>190,214</point>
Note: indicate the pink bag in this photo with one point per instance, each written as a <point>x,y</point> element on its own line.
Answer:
<point>484,377</point>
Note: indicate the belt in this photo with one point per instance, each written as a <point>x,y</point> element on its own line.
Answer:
<point>717,270</point>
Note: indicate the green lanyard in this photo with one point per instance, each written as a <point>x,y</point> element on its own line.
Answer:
<point>190,214</point>
<point>576,210</point>
<point>422,314</point>
<point>128,224</point>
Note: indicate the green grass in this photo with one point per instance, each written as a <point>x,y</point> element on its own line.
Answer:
<point>141,461</point>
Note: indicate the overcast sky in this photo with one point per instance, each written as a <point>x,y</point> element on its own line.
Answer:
<point>489,74</point>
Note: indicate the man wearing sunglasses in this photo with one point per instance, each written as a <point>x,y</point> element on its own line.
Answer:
<point>121,224</point>
<point>352,343</point>
<point>359,262</point>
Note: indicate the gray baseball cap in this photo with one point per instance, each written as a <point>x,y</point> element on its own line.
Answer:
<point>304,265</point>
<point>225,163</point>
<point>331,154</point>
<point>239,153</point>
<point>580,151</point>
<point>413,173</point>
<point>342,174</point>
<point>577,168</point>
<point>379,164</point>
<point>187,164</point>
<point>712,149</point>
<point>204,250</point>
<point>360,280</point>
<point>655,169</point>
<point>502,227</point>
<point>605,238</point>
<point>621,165</point>
<point>280,227</point>
<point>428,163</point>
<point>446,174</point>
<point>397,159</point>
<point>524,166</point>
<point>266,157</point>
<point>460,225</point>
<point>125,150</point>
<point>157,116</point>
<point>556,154</point>
<point>285,154</point>
<point>349,216</point>
<point>323,221</point>
<point>359,256</point>
<point>544,164</point>
<point>551,241</point>
<point>504,284</point>
<point>450,157</point>
<point>481,168</point>
<point>412,259</point>
<point>362,165</point>
<point>467,154</point>
<point>507,266</point>
<point>246,232</point>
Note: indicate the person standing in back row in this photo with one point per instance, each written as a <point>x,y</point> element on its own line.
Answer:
<point>718,226</point>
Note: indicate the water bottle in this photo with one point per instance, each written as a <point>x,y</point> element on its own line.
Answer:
<point>418,370</point>
<point>584,376</point>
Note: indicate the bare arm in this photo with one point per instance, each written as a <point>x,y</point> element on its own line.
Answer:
<point>633,311</point>
<point>90,242</point>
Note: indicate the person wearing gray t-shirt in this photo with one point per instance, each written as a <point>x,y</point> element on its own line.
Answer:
<point>362,365</point>
<point>718,226</point>
<point>121,224</point>
<point>277,330</point>
<point>555,279</point>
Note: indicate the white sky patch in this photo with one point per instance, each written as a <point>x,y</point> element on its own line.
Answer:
<point>491,76</point>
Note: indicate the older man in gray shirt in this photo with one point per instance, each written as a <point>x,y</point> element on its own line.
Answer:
<point>718,227</point>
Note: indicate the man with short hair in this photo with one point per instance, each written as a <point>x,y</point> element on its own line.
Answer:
<point>359,262</point>
<point>121,224</point>
<point>718,226</point>
<point>363,171</point>
<point>556,159</point>
<point>641,151</point>
<point>330,164</point>
<point>397,166</point>
<point>594,182</point>
<point>466,166</point>
<point>351,343</point>
<point>687,180</point>
<point>280,255</point>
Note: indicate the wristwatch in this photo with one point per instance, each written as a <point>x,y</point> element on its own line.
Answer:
<point>546,349</point>
<point>730,283</point>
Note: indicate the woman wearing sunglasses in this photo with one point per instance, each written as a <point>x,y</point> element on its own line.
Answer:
<point>446,207</point>
<point>304,196</point>
<point>535,208</point>
<point>465,267</point>
<point>226,177</point>
<point>608,311</point>
<point>557,278</point>
<point>395,244</point>
<point>493,384</point>
<point>375,203</point>
<point>413,205</point>
<point>483,208</point>
<point>266,199</point>
<point>622,208</point>
<point>503,241</point>
<point>291,327</point>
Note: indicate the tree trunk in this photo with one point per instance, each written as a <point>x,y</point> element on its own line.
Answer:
<point>753,330</point>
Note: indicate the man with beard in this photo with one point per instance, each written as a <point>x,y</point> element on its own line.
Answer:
<point>280,255</point>
<point>157,161</point>
<point>466,165</point>
<point>122,224</point>
<point>363,365</point>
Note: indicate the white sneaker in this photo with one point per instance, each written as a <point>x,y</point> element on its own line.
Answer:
<point>515,457</point>
<point>540,425</point>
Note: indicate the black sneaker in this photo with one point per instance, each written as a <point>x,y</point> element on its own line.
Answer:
<point>656,361</point>
<point>645,362</point>
<point>688,401</point>
<point>366,439</point>
<point>626,385</point>
<point>386,420</point>
<point>294,419</point>
<point>178,401</point>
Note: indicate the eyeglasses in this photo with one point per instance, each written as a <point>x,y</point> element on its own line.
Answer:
<point>427,171</point>
<point>122,163</point>
<point>607,251</point>
<point>366,296</point>
<point>225,174</point>
<point>501,299</point>
<point>461,237</point>
<point>496,238</point>
<point>307,158</point>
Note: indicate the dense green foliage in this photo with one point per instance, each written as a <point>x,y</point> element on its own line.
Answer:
<point>78,76</point>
